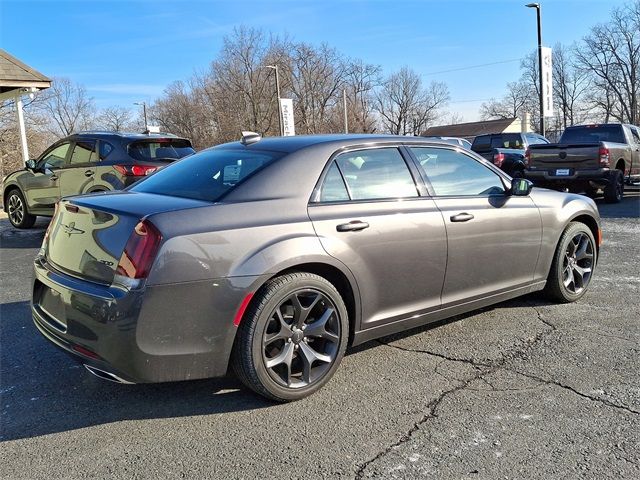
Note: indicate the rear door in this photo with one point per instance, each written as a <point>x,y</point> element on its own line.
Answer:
<point>42,190</point>
<point>493,238</point>
<point>369,215</point>
<point>77,176</point>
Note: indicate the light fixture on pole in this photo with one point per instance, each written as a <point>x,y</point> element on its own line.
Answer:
<point>541,99</point>
<point>144,112</point>
<point>275,67</point>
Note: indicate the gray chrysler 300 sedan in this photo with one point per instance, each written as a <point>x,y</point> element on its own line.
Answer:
<point>273,255</point>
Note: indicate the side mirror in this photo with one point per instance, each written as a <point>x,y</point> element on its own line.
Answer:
<point>521,187</point>
<point>31,165</point>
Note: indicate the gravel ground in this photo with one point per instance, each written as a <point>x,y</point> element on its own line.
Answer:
<point>524,389</point>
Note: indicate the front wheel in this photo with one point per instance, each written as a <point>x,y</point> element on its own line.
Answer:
<point>17,210</point>
<point>292,338</point>
<point>573,264</point>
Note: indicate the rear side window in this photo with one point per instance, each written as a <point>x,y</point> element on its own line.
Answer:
<point>333,188</point>
<point>84,151</point>
<point>481,143</point>
<point>535,139</point>
<point>507,140</point>
<point>375,174</point>
<point>207,175</point>
<point>455,174</point>
<point>160,149</point>
<point>105,149</point>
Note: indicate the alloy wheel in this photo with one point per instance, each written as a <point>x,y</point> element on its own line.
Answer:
<point>578,263</point>
<point>301,339</point>
<point>16,209</point>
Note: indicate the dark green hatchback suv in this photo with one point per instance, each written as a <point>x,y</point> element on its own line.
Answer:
<point>85,162</point>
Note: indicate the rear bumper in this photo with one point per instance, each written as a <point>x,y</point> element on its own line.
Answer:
<point>598,176</point>
<point>156,334</point>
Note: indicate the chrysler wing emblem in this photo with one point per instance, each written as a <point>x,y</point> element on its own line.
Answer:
<point>71,229</point>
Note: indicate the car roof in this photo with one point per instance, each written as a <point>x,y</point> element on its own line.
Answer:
<point>299,142</point>
<point>122,135</point>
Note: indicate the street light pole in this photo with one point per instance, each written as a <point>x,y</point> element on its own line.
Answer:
<point>144,113</point>
<point>275,67</point>
<point>540,79</point>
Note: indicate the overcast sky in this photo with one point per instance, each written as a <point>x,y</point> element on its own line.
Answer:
<point>127,51</point>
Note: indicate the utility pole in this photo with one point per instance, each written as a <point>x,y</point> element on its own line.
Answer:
<point>344,100</point>
<point>275,67</point>
<point>538,8</point>
<point>144,113</point>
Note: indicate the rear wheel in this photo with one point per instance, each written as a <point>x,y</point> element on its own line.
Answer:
<point>17,210</point>
<point>614,191</point>
<point>292,338</point>
<point>573,264</point>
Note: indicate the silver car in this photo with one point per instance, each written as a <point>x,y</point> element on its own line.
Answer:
<point>273,255</point>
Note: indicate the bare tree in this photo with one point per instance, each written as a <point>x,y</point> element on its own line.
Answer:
<point>68,107</point>
<point>405,106</point>
<point>115,119</point>
<point>611,55</point>
<point>360,82</point>
<point>569,87</point>
<point>515,103</point>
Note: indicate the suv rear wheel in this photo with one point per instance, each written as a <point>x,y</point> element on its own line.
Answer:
<point>17,210</point>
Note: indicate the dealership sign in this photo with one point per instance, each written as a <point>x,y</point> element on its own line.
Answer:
<point>286,109</point>
<point>547,82</point>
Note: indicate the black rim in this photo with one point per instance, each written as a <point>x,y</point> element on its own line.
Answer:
<point>619,187</point>
<point>578,263</point>
<point>301,339</point>
<point>16,209</point>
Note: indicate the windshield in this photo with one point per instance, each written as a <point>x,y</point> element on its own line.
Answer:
<point>160,148</point>
<point>207,175</point>
<point>593,134</point>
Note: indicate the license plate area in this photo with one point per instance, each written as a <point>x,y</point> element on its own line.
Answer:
<point>563,172</point>
<point>51,304</point>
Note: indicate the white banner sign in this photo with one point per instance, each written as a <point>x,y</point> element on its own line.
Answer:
<point>547,82</point>
<point>286,107</point>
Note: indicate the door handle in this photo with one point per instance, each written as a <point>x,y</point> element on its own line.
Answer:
<point>88,173</point>
<point>353,226</point>
<point>462,217</point>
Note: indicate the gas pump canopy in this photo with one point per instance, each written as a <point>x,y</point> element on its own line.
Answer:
<point>16,80</point>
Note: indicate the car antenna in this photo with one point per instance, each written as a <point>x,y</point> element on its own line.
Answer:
<point>250,137</point>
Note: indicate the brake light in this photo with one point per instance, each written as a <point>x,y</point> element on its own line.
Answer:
<point>498,158</point>
<point>603,153</point>
<point>527,158</point>
<point>135,170</point>
<point>140,251</point>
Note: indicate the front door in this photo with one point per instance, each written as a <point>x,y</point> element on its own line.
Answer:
<point>43,189</point>
<point>493,238</point>
<point>370,216</point>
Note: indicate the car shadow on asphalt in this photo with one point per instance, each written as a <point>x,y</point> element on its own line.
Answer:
<point>43,390</point>
<point>628,208</point>
<point>12,238</point>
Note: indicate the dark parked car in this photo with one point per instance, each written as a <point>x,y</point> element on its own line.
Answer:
<point>273,255</point>
<point>588,158</point>
<point>507,150</point>
<point>83,163</point>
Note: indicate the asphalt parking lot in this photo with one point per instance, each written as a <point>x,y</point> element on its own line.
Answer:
<point>524,389</point>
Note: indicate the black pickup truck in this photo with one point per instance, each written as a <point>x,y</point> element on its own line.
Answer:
<point>588,158</point>
<point>506,150</point>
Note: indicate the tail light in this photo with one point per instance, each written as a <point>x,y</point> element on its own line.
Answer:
<point>135,170</point>
<point>603,153</point>
<point>140,251</point>
<point>498,158</point>
<point>527,158</point>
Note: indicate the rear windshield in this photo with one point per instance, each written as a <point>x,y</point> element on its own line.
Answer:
<point>207,175</point>
<point>161,148</point>
<point>485,143</point>
<point>593,134</point>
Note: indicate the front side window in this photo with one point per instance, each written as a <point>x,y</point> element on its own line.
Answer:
<point>379,173</point>
<point>55,158</point>
<point>454,174</point>
<point>207,175</point>
<point>507,140</point>
<point>84,151</point>
<point>636,135</point>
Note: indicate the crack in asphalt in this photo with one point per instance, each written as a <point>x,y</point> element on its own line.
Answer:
<point>483,369</point>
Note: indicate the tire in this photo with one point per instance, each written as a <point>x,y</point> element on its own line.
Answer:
<point>573,264</point>
<point>270,354</point>
<point>17,210</point>
<point>614,191</point>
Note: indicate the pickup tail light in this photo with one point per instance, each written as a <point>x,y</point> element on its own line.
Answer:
<point>140,251</point>
<point>498,159</point>
<point>135,170</point>
<point>527,158</point>
<point>603,154</point>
